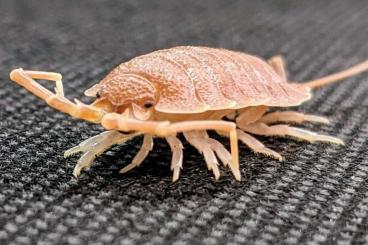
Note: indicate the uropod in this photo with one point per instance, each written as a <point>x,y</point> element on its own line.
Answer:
<point>189,90</point>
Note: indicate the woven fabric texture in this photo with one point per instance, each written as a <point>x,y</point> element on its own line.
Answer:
<point>318,195</point>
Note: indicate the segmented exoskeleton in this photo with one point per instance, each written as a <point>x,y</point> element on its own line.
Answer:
<point>189,90</point>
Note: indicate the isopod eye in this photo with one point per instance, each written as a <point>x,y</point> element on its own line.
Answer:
<point>98,95</point>
<point>148,104</point>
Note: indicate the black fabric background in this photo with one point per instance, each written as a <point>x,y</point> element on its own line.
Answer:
<point>318,195</point>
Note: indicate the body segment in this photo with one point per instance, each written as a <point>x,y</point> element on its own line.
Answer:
<point>197,79</point>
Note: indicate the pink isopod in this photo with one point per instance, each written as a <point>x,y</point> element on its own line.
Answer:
<point>189,90</point>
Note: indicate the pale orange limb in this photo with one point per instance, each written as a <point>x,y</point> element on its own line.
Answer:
<point>208,147</point>
<point>177,156</point>
<point>285,130</point>
<point>89,143</point>
<point>250,115</point>
<point>57,101</point>
<point>95,146</point>
<point>278,64</point>
<point>257,146</point>
<point>218,115</point>
<point>292,117</point>
<point>146,147</point>
<point>215,125</point>
<point>164,129</point>
<point>222,153</point>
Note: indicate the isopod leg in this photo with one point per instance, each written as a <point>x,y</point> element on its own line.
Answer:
<point>257,146</point>
<point>95,146</point>
<point>285,130</point>
<point>228,127</point>
<point>278,64</point>
<point>163,129</point>
<point>91,149</point>
<point>208,147</point>
<point>177,156</point>
<point>89,143</point>
<point>222,153</point>
<point>250,115</point>
<point>292,117</point>
<point>146,147</point>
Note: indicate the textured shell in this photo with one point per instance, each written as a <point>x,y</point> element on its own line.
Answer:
<point>196,79</point>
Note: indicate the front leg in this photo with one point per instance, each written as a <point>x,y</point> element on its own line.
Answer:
<point>95,146</point>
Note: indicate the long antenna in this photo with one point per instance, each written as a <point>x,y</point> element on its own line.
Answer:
<point>323,81</point>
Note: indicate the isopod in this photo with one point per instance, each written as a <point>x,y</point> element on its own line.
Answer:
<point>189,90</point>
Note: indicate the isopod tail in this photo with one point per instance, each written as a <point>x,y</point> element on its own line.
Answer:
<point>323,81</point>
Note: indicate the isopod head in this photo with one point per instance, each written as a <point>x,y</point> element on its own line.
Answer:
<point>116,93</point>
